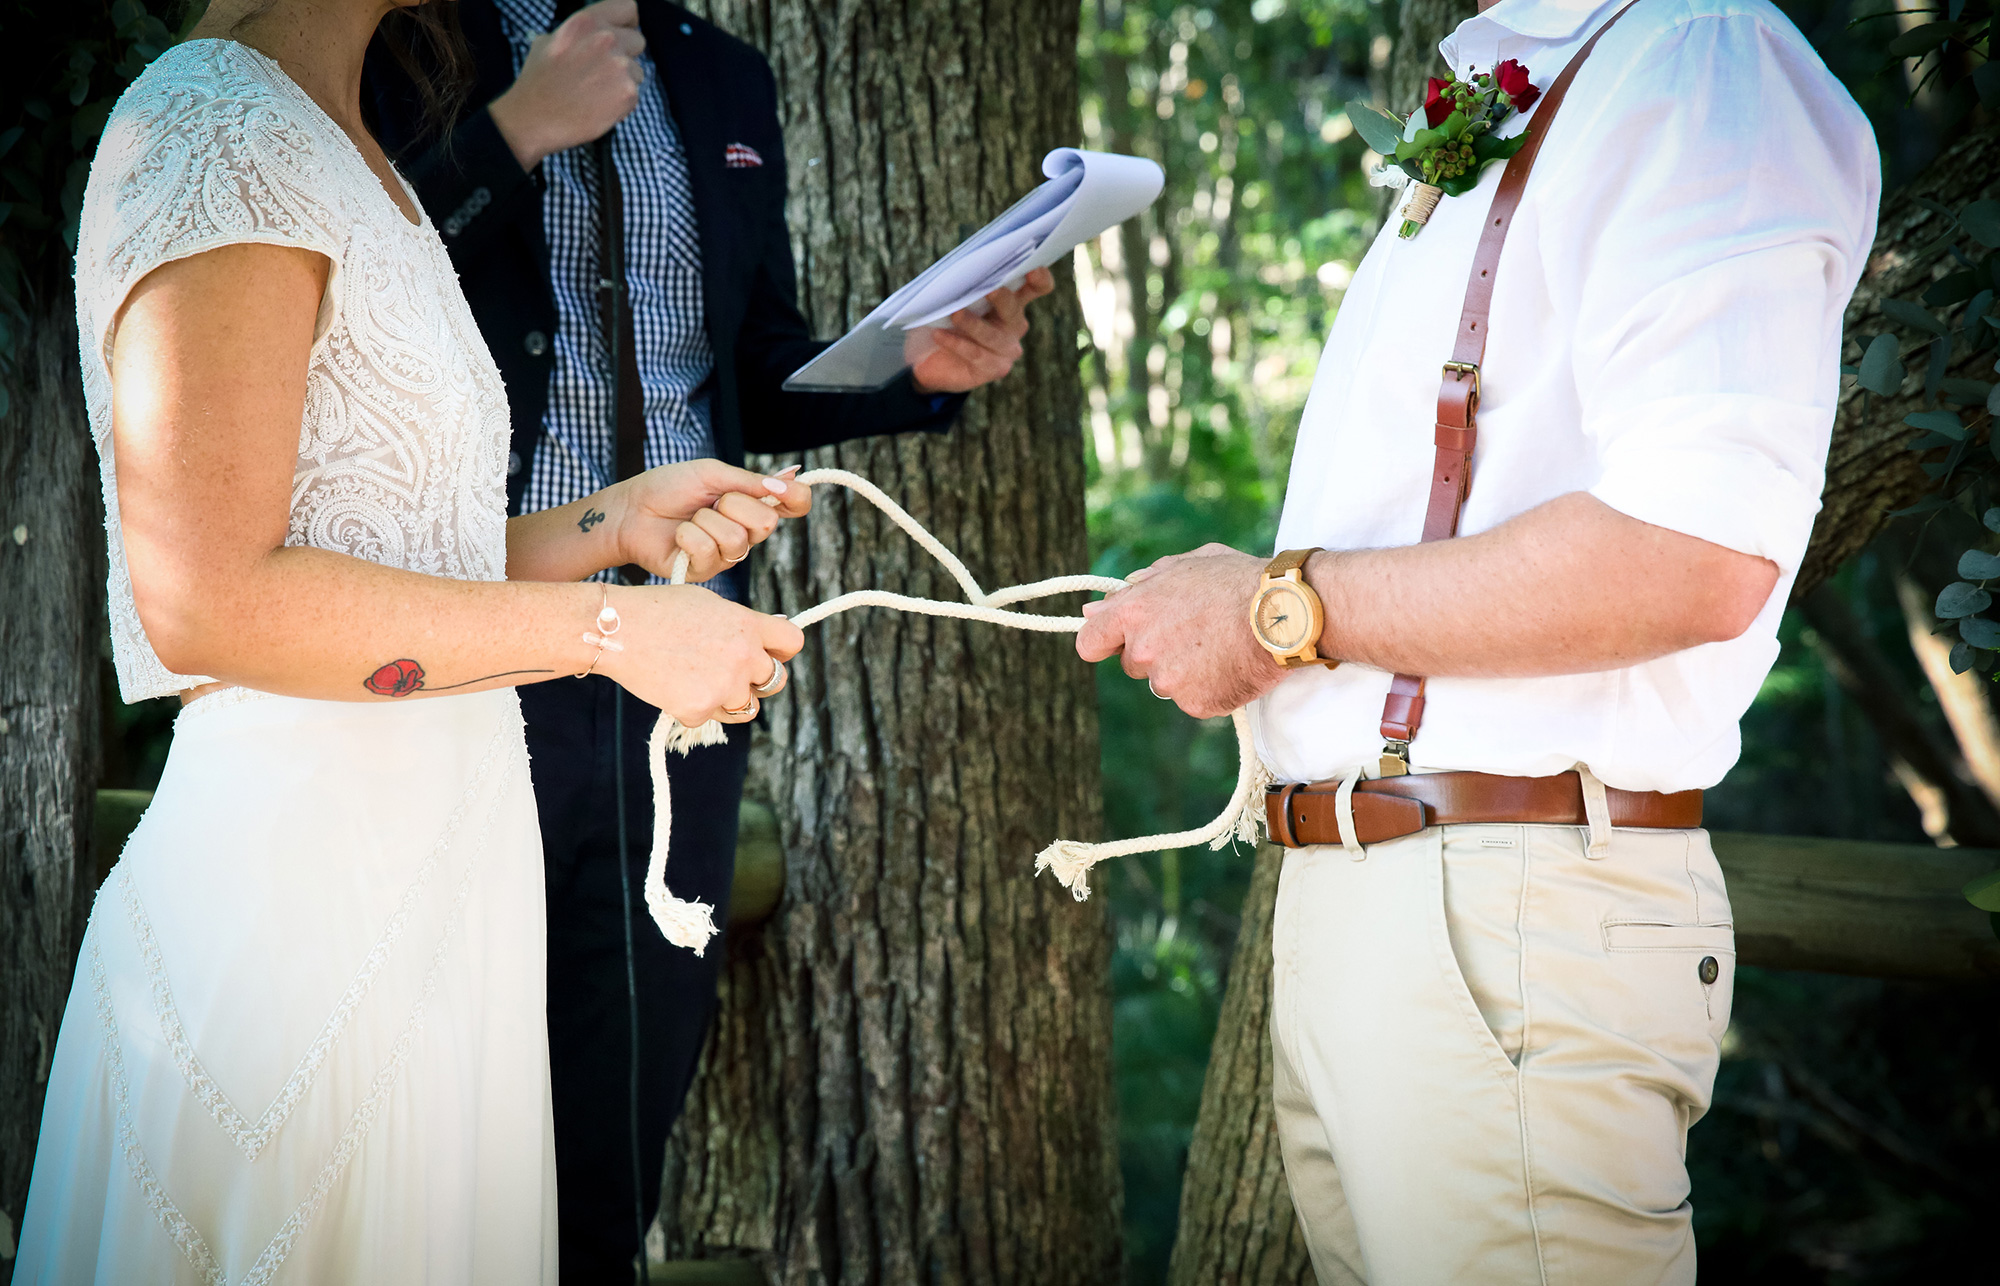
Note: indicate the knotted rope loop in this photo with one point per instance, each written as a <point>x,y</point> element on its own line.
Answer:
<point>692,924</point>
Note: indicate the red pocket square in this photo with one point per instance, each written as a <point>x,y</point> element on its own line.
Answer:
<point>741,156</point>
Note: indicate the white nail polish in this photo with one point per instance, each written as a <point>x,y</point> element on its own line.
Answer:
<point>776,486</point>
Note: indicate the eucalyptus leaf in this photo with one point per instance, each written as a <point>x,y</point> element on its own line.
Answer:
<point>1993,408</point>
<point>1984,891</point>
<point>1882,366</point>
<point>1956,11</point>
<point>1930,504</point>
<point>1980,632</point>
<point>1946,423</point>
<point>1955,289</point>
<point>1921,39</point>
<point>1986,80</point>
<point>1976,308</point>
<point>11,137</point>
<point>1961,599</point>
<point>1910,314</point>
<point>1975,564</point>
<point>1991,519</point>
<point>1940,363</point>
<point>1376,127</point>
<point>1965,392</point>
<point>1961,657</point>
<point>1982,220</point>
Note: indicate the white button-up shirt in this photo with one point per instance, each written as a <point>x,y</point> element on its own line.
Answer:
<point>1665,336</point>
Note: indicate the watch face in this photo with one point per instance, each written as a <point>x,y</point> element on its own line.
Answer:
<point>1283,619</point>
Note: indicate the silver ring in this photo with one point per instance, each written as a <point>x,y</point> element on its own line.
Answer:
<point>743,712</point>
<point>770,686</point>
<point>1155,691</point>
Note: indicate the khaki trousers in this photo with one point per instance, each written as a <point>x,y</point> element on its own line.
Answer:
<point>1489,1049</point>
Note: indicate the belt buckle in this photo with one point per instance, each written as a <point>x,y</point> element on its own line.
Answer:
<point>1463,369</point>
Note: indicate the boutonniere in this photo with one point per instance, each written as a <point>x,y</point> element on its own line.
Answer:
<point>1441,148</point>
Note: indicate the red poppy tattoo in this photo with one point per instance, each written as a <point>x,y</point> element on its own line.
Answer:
<point>396,679</point>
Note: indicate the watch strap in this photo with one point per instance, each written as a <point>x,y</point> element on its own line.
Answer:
<point>1289,561</point>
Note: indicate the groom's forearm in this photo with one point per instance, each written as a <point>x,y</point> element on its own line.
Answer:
<point>1569,587</point>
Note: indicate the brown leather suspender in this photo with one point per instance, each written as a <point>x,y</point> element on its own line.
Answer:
<point>1458,394</point>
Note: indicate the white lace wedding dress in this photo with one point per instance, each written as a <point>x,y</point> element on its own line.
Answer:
<point>306,1038</point>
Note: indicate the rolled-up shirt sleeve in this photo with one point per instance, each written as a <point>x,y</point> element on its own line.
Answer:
<point>1709,281</point>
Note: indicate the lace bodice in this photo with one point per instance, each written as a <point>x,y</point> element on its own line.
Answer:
<point>403,444</point>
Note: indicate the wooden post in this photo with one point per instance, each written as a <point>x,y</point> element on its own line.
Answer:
<point>51,585</point>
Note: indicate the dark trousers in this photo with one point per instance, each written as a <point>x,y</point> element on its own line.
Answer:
<point>574,759</point>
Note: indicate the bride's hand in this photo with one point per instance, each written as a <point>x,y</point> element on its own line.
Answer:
<point>693,653</point>
<point>714,511</point>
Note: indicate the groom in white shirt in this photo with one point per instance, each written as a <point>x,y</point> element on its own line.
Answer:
<point>1503,953</point>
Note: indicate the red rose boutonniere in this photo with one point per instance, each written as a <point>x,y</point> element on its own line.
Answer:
<point>1440,149</point>
<point>396,679</point>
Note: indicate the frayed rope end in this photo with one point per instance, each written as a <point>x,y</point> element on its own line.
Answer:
<point>685,924</point>
<point>682,739</point>
<point>1071,860</point>
<point>1251,820</point>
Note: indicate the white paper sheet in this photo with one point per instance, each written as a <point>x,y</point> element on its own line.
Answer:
<point>1086,193</point>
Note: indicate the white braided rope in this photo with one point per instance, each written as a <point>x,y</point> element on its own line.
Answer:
<point>692,924</point>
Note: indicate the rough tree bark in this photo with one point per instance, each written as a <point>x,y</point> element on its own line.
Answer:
<point>50,583</point>
<point>1225,1236</point>
<point>910,1075</point>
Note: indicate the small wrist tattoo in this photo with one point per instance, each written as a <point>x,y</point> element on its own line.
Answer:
<point>401,678</point>
<point>591,517</point>
<point>396,679</point>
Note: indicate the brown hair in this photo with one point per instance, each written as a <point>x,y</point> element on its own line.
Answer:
<point>428,45</point>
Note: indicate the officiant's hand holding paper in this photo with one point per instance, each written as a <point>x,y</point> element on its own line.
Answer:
<point>1086,193</point>
<point>982,343</point>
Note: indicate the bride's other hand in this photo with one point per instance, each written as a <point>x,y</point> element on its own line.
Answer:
<point>714,511</point>
<point>695,654</point>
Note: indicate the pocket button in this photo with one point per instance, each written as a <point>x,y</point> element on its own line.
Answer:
<point>1709,970</point>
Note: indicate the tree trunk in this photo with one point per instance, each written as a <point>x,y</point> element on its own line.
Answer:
<point>910,1076</point>
<point>1237,1227</point>
<point>50,623</point>
<point>1869,471</point>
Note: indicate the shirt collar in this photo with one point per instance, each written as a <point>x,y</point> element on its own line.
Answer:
<point>1515,27</point>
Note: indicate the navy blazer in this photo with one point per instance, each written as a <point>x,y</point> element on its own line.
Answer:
<point>489,211</point>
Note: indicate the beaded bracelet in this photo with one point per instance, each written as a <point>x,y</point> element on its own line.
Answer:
<point>607,625</point>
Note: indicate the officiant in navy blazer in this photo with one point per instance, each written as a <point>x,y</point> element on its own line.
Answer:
<point>707,329</point>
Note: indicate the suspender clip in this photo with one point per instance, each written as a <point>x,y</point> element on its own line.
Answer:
<point>1395,759</point>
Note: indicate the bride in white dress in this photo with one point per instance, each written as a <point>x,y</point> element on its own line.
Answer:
<point>306,1035</point>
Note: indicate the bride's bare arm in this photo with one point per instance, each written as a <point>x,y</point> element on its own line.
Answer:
<point>208,392</point>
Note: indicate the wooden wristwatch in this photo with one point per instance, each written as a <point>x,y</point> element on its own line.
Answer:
<point>1286,615</point>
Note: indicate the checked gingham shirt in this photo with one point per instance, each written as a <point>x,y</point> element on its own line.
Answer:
<point>663,274</point>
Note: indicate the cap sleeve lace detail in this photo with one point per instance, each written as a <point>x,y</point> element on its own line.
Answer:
<point>403,440</point>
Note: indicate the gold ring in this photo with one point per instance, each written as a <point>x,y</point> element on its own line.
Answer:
<point>749,709</point>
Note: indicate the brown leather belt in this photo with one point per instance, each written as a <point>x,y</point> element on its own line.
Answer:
<point>1391,807</point>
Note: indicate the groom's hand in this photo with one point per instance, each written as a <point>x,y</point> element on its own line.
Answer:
<point>978,349</point>
<point>1184,625</point>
